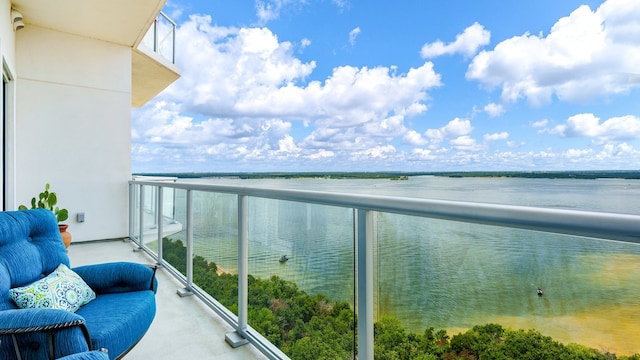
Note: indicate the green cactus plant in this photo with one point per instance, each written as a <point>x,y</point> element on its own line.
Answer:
<point>48,200</point>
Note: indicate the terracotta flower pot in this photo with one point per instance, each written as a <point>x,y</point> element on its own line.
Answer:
<point>66,236</point>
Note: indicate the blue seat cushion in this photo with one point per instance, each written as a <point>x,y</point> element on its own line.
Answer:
<point>117,321</point>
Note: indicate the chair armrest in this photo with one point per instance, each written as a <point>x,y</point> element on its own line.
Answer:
<point>118,277</point>
<point>17,322</point>
<point>88,355</point>
<point>20,321</point>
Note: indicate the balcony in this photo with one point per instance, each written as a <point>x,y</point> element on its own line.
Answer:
<point>121,22</point>
<point>153,61</point>
<point>183,328</point>
<point>370,262</point>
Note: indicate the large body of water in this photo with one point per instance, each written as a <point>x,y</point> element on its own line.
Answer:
<point>443,274</point>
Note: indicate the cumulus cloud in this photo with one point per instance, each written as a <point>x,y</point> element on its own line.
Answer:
<point>380,152</point>
<point>615,129</point>
<point>585,55</point>
<point>454,129</point>
<point>496,136</point>
<point>239,81</point>
<point>246,102</point>
<point>540,123</point>
<point>249,72</point>
<point>321,154</point>
<point>305,43</point>
<point>268,10</point>
<point>494,109</point>
<point>414,138</point>
<point>467,43</point>
<point>465,143</point>
<point>423,154</point>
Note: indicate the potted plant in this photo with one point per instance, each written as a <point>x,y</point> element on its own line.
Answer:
<point>48,200</point>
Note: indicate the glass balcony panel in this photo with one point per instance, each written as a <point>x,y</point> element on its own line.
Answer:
<point>161,37</point>
<point>149,214</point>
<point>166,37</point>
<point>302,259</point>
<point>134,212</point>
<point>174,250</point>
<point>452,276</point>
<point>215,242</point>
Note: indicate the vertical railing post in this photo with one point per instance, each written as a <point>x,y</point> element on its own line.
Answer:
<point>186,291</point>
<point>160,210</point>
<point>155,35</point>
<point>237,338</point>
<point>173,54</point>
<point>131,210</point>
<point>364,268</point>
<point>141,224</point>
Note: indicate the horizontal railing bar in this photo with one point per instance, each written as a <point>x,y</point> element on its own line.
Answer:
<point>604,225</point>
<point>166,17</point>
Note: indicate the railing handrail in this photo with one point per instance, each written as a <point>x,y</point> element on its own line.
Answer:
<point>604,225</point>
<point>166,17</point>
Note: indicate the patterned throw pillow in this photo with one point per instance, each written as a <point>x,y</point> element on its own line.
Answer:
<point>62,289</point>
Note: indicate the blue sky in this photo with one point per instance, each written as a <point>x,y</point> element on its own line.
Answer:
<point>339,85</point>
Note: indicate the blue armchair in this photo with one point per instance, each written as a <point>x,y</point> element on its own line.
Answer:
<point>122,311</point>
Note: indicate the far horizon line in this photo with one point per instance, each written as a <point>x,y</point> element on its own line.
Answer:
<point>578,174</point>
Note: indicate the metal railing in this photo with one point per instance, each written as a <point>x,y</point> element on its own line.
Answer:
<point>600,225</point>
<point>161,37</point>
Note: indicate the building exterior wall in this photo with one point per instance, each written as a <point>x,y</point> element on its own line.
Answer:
<point>7,55</point>
<point>73,128</point>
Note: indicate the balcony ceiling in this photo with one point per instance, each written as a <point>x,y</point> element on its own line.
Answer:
<point>123,22</point>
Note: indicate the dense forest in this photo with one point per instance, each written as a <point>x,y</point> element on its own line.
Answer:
<point>308,326</point>
<point>399,175</point>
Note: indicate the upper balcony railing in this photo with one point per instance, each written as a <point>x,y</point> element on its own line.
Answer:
<point>256,218</point>
<point>161,37</point>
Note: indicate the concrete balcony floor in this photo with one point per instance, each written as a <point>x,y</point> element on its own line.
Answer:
<point>183,328</point>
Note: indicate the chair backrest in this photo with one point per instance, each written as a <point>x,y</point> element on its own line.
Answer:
<point>30,249</point>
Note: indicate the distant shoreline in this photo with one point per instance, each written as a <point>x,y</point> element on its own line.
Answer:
<point>400,175</point>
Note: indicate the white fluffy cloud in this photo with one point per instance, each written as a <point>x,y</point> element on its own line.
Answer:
<point>247,102</point>
<point>454,129</point>
<point>467,43</point>
<point>615,129</point>
<point>248,72</point>
<point>244,88</point>
<point>414,138</point>
<point>268,10</point>
<point>379,152</point>
<point>585,55</point>
<point>496,136</point>
<point>494,109</point>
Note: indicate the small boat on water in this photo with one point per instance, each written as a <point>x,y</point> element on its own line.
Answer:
<point>283,258</point>
<point>539,291</point>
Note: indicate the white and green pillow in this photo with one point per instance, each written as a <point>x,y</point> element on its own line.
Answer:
<point>62,289</point>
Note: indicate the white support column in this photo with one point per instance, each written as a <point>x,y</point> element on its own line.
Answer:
<point>364,267</point>
<point>237,338</point>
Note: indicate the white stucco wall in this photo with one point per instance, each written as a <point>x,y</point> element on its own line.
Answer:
<point>73,98</point>
<point>7,53</point>
<point>6,34</point>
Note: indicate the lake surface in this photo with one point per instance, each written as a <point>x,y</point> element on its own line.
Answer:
<point>443,274</point>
